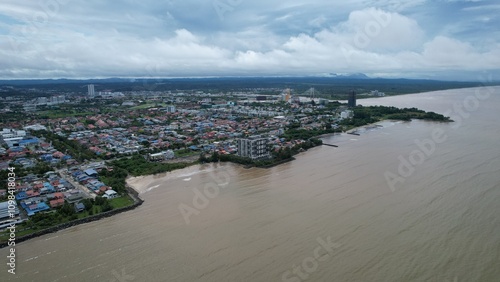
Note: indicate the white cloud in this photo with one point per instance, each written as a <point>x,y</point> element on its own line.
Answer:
<point>80,41</point>
<point>375,29</point>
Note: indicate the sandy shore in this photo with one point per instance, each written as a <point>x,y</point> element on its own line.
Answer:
<point>143,184</point>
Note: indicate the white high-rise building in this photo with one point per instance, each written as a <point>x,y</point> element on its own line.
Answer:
<point>254,147</point>
<point>91,90</point>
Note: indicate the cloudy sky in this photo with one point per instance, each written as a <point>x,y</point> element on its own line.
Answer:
<point>442,39</point>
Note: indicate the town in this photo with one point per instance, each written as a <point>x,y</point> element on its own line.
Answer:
<point>72,152</point>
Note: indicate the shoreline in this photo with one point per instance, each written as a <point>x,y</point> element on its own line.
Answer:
<point>354,129</point>
<point>135,188</point>
<point>131,192</point>
<point>134,182</point>
<point>139,186</point>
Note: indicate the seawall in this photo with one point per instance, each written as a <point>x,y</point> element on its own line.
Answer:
<point>133,194</point>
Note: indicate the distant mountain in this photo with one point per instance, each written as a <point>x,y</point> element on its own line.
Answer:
<point>349,76</point>
<point>25,82</point>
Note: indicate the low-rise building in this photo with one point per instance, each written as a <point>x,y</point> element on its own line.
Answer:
<point>110,194</point>
<point>166,155</point>
<point>5,212</point>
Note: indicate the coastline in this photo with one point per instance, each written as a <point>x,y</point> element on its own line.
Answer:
<point>139,185</point>
<point>135,186</point>
<point>142,184</point>
<point>354,129</point>
<point>131,192</point>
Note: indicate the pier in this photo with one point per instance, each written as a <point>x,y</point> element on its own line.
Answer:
<point>331,145</point>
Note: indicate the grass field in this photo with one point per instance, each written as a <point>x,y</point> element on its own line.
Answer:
<point>148,105</point>
<point>121,202</point>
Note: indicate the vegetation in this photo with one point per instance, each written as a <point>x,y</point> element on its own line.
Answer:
<point>62,113</point>
<point>121,202</point>
<point>137,165</point>
<point>277,156</point>
<point>185,153</point>
<point>148,105</point>
<point>367,115</point>
<point>70,147</point>
<point>324,85</point>
<point>39,169</point>
<point>114,178</point>
<point>304,134</point>
<point>67,213</point>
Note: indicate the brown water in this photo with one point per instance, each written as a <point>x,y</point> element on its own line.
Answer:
<point>441,224</point>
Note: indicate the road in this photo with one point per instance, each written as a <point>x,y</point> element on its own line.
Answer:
<point>88,193</point>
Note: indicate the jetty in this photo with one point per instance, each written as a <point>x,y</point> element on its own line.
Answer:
<point>331,145</point>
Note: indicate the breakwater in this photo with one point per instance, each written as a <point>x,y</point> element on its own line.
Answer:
<point>132,193</point>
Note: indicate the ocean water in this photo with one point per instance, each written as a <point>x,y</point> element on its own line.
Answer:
<point>407,201</point>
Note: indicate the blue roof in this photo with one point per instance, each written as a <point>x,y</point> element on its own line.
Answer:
<point>90,171</point>
<point>37,208</point>
<point>82,177</point>
<point>21,195</point>
<point>29,141</point>
<point>46,157</point>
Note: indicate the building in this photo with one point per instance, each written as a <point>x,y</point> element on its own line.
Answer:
<point>55,100</point>
<point>170,109</point>
<point>35,127</point>
<point>128,104</point>
<point>110,194</point>
<point>91,172</point>
<point>286,96</point>
<point>166,155</point>
<point>254,147</point>
<point>79,207</point>
<point>377,93</point>
<point>323,102</point>
<point>5,212</point>
<point>12,134</point>
<point>351,102</point>
<point>346,114</point>
<point>91,91</point>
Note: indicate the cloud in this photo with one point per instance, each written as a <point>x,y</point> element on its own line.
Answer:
<point>375,29</point>
<point>151,39</point>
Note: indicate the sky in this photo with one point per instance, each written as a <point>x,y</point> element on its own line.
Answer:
<point>435,39</point>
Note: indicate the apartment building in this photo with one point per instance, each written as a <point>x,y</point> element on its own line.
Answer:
<point>254,147</point>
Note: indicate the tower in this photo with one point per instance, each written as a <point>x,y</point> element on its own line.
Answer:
<point>91,90</point>
<point>351,102</point>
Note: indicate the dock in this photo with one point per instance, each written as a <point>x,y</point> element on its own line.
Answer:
<point>331,145</point>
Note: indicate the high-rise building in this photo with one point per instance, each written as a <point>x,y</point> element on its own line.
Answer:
<point>254,147</point>
<point>351,102</point>
<point>170,109</point>
<point>285,96</point>
<point>91,91</point>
